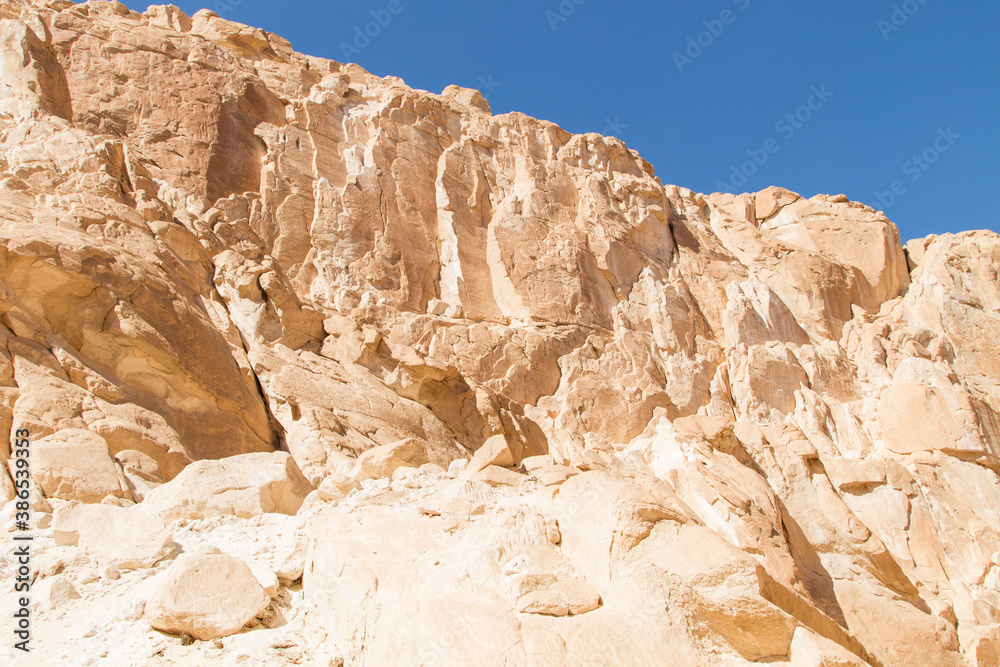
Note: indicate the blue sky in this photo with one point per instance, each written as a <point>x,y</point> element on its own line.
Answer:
<point>891,102</point>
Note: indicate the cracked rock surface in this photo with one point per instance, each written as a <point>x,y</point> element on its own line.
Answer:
<point>322,369</point>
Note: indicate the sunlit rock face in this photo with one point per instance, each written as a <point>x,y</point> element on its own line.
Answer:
<point>702,429</point>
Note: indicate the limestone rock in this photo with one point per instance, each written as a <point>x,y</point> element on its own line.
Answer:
<point>265,576</point>
<point>54,592</point>
<point>494,452</point>
<point>74,464</point>
<point>244,486</point>
<point>720,428</point>
<point>141,472</point>
<point>552,475</point>
<point>811,650</point>
<point>206,596</point>
<point>497,476</point>
<point>383,461</point>
<point>126,539</point>
<point>562,598</point>
<point>290,563</point>
<point>336,486</point>
<point>58,559</point>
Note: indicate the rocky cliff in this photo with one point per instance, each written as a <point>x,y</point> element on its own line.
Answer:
<point>321,369</point>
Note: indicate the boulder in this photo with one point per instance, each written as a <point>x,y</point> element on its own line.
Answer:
<point>553,475</point>
<point>290,562</point>
<point>266,576</point>
<point>244,486</point>
<point>561,598</point>
<point>494,452</point>
<point>54,592</point>
<point>497,476</point>
<point>384,460</point>
<point>74,464</point>
<point>124,538</point>
<point>141,471</point>
<point>205,596</point>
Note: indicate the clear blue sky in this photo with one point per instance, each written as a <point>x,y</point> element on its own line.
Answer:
<point>924,83</point>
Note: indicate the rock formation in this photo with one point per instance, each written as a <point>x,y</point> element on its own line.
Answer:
<point>322,369</point>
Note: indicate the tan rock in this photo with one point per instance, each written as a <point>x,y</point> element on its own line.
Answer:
<point>727,589</point>
<point>290,562</point>
<point>497,476</point>
<point>265,576</point>
<point>58,559</point>
<point>243,486</point>
<point>206,596</point>
<point>533,463</point>
<point>74,464</point>
<point>336,486</point>
<point>141,472</point>
<point>7,491</point>
<point>781,418</point>
<point>811,650</point>
<point>562,598</point>
<point>127,539</point>
<point>768,202</point>
<point>383,461</point>
<point>494,452</point>
<point>54,592</point>
<point>553,475</point>
<point>985,649</point>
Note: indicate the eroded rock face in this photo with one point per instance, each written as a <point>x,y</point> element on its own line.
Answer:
<point>723,428</point>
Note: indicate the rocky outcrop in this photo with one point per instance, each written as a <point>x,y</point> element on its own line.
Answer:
<point>411,364</point>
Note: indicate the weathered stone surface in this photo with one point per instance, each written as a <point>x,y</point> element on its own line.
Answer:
<point>244,486</point>
<point>719,428</point>
<point>384,460</point>
<point>494,452</point>
<point>206,596</point>
<point>810,650</point>
<point>123,538</point>
<point>75,465</point>
<point>54,592</point>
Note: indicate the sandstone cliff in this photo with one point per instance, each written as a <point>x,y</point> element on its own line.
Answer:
<point>711,430</point>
